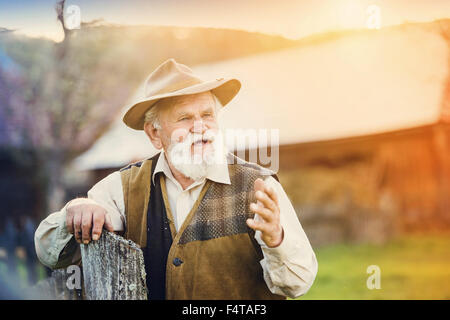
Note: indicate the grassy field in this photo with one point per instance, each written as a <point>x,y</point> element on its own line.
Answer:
<point>412,267</point>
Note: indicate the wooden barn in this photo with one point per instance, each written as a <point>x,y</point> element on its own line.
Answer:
<point>364,129</point>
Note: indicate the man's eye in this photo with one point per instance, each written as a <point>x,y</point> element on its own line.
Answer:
<point>184,118</point>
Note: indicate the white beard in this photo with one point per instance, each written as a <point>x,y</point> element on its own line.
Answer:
<point>197,166</point>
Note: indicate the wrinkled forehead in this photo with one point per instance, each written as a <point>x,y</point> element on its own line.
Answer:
<point>189,103</point>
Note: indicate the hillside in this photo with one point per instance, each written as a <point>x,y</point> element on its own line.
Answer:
<point>142,48</point>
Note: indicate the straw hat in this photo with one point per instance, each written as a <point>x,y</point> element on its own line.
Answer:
<point>172,79</point>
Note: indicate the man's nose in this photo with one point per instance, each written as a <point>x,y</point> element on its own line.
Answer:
<point>199,127</point>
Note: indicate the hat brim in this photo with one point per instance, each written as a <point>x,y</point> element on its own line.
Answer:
<point>223,89</point>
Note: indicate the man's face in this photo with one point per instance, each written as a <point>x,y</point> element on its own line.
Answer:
<point>192,115</point>
<point>188,134</point>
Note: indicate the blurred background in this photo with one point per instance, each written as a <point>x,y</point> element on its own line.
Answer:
<point>359,91</point>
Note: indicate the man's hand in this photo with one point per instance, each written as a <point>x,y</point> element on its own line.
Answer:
<point>86,220</point>
<point>267,208</point>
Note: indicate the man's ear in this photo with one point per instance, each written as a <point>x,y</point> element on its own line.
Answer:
<point>154,135</point>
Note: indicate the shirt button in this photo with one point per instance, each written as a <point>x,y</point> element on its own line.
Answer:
<point>177,262</point>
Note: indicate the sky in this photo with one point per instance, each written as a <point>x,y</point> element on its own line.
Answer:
<point>290,18</point>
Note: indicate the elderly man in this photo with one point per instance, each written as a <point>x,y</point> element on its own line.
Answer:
<point>211,225</point>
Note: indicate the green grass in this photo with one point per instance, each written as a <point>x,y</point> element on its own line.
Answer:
<point>412,267</point>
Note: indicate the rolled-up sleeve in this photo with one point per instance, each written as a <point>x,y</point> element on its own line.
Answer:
<point>290,268</point>
<point>55,247</point>
<point>51,238</point>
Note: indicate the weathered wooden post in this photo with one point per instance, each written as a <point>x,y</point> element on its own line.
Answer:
<point>113,269</point>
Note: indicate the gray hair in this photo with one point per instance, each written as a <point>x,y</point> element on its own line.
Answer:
<point>152,115</point>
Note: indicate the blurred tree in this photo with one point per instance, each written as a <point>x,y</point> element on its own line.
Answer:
<point>57,101</point>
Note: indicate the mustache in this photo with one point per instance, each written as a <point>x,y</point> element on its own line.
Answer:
<point>193,138</point>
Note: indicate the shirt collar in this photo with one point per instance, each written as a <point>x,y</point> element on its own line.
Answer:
<point>220,174</point>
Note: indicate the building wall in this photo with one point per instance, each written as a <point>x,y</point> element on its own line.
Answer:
<point>370,188</point>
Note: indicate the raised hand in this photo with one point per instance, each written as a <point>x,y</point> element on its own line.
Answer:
<point>268,210</point>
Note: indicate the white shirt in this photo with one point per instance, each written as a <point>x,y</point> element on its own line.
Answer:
<point>289,269</point>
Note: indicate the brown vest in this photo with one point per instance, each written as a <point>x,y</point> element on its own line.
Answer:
<point>220,257</point>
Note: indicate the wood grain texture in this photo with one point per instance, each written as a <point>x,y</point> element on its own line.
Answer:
<point>113,269</point>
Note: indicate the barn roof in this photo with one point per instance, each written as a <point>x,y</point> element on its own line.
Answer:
<point>362,83</point>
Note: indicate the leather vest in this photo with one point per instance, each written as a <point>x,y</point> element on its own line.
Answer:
<point>214,254</point>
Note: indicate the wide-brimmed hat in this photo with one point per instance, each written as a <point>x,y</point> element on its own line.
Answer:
<point>172,79</point>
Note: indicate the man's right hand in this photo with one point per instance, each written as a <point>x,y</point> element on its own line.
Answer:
<point>85,220</point>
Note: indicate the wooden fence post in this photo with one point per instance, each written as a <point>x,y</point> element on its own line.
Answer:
<point>113,269</point>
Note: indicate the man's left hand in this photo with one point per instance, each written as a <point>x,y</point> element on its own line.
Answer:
<point>268,210</point>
